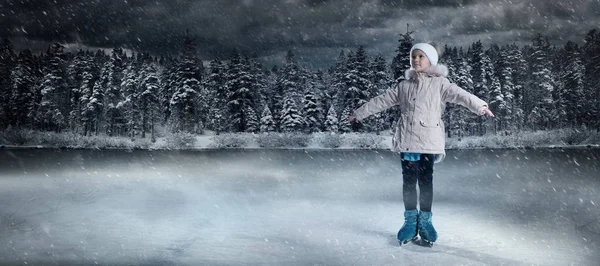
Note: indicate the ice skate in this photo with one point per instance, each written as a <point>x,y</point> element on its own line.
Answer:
<point>408,232</point>
<point>426,230</point>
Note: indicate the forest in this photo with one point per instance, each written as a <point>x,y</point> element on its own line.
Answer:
<point>538,86</point>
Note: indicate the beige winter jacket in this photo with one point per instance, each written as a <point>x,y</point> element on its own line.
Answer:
<point>422,99</point>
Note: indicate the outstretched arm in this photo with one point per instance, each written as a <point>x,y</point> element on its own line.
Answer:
<point>455,94</point>
<point>384,101</point>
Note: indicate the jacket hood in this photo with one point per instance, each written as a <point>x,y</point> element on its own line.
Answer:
<point>438,70</point>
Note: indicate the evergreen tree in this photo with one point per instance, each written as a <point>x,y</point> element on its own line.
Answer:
<point>541,85</point>
<point>480,63</point>
<point>519,65</point>
<point>380,81</point>
<point>95,106</point>
<point>267,124</point>
<point>331,123</point>
<point>149,100</point>
<point>450,61</point>
<point>401,61</point>
<point>75,71</point>
<point>312,112</point>
<point>54,91</point>
<point>252,122</point>
<point>344,125</point>
<point>289,85</point>
<point>21,99</point>
<point>186,105</point>
<point>337,81</point>
<point>573,85</point>
<point>7,63</point>
<point>218,95</point>
<point>591,57</point>
<point>239,92</point>
<point>131,100</point>
<point>87,88</point>
<point>504,102</point>
<point>169,84</point>
<point>291,121</point>
<point>461,116</point>
<point>357,83</point>
<point>113,97</point>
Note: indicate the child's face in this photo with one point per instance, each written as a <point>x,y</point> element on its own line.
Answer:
<point>419,60</point>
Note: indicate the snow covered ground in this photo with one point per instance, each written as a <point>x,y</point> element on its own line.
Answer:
<point>293,207</point>
<point>563,138</point>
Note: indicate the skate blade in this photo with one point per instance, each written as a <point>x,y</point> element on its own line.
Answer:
<point>425,243</point>
<point>406,241</point>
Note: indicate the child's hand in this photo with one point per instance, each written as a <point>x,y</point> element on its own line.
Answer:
<point>486,111</point>
<point>352,118</point>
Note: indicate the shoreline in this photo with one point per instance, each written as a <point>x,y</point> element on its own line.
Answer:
<point>40,147</point>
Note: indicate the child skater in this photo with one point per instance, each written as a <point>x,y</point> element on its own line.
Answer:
<point>419,136</point>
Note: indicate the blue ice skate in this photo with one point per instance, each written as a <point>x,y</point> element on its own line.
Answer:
<point>408,232</point>
<point>426,230</point>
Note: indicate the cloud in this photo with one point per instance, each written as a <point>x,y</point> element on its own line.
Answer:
<point>270,27</point>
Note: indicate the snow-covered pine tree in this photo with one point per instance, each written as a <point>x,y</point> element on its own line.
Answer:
<point>591,57</point>
<point>573,84</point>
<point>169,84</point>
<point>21,98</point>
<point>291,121</point>
<point>183,105</point>
<point>95,106</point>
<point>337,72</point>
<point>449,60</point>
<point>7,63</point>
<point>518,64</point>
<point>149,100</point>
<point>113,97</point>
<point>357,83</point>
<point>559,109</point>
<point>331,123</point>
<point>401,61</point>
<point>380,81</point>
<point>479,62</point>
<point>75,71</point>
<point>344,125</point>
<point>87,87</point>
<point>215,84</point>
<point>131,100</point>
<point>461,116</point>
<point>186,101</point>
<point>290,78</point>
<point>259,83</point>
<point>239,92</point>
<point>267,124</point>
<point>311,112</point>
<point>322,93</point>
<point>540,85</point>
<point>497,103</point>
<point>54,90</point>
<point>252,122</point>
<point>504,113</point>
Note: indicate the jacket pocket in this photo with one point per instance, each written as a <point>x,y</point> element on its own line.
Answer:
<point>430,123</point>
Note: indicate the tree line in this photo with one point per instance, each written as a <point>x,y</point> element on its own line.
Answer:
<point>534,87</point>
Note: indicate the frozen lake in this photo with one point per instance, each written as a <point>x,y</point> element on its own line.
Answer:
<point>294,207</point>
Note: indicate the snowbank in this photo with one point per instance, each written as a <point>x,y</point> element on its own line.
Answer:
<point>565,138</point>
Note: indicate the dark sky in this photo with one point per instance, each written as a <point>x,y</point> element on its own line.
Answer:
<point>315,29</point>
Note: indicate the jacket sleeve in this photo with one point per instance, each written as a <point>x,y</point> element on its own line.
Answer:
<point>455,94</point>
<point>384,101</point>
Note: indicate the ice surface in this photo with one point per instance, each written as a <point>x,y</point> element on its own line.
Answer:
<point>293,207</point>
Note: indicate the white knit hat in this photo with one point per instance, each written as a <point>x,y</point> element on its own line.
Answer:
<point>429,51</point>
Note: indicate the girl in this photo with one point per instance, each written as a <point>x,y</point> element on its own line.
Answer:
<point>419,136</point>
